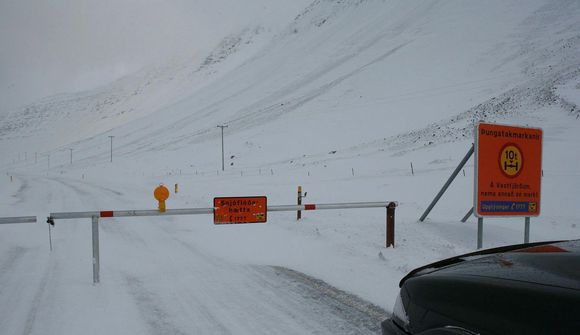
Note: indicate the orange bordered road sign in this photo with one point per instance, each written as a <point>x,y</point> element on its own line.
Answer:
<point>508,170</point>
<point>233,210</point>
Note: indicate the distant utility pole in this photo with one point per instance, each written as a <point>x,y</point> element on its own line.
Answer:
<point>111,137</point>
<point>222,127</point>
<point>70,155</point>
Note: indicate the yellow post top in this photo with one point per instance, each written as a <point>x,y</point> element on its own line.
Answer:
<point>161,193</point>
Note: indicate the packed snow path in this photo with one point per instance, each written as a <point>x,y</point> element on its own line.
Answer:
<point>154,281</point>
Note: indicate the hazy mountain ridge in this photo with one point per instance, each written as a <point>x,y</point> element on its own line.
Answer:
<point>257,77</point>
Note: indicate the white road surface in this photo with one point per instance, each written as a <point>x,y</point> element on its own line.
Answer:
<point>154,281</point>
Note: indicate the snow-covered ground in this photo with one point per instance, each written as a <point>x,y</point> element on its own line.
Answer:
<point>340,100</point>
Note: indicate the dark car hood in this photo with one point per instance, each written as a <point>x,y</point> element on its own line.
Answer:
<point>554,264</point>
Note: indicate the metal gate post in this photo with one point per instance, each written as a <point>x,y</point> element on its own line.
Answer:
<point>95,249</point>
<point>479,233</point>
<point>391,224</point>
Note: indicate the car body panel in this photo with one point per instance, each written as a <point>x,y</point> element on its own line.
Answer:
<point>527,289</point>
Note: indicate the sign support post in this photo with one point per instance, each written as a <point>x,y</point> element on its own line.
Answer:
<point>470,213</point>
<point>527,230</point>
<point>479,233</point>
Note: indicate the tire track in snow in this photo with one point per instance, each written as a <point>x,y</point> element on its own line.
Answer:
<point>36,304</point>
<point>155,316</point>
<point>25,277</point>
<point>157,319</point>
<point>8,262</point>
<point>363,312</point>
<point>289,291</point>
<point>16,292</point>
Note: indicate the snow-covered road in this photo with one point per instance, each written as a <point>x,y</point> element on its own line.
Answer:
<point>155,281</point>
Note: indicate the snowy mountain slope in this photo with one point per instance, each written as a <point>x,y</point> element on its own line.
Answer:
<point>347,45</point>
<point>341,101</point>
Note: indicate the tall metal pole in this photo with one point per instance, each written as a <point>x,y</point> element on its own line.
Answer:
<point>222,127</point>
<point>111,137</point>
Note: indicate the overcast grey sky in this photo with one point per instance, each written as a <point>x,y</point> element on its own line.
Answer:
<point>54,46</point>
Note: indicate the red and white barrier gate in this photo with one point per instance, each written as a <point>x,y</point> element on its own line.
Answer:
<point>94,216</point>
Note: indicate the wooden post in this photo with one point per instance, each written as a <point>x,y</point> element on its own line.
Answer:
<point>299,212</point>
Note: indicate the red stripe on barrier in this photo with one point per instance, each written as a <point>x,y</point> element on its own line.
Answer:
<point>107,214</point>
<point>309,207</point>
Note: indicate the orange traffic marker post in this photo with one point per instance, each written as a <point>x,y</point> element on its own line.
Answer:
<point>161,193</point>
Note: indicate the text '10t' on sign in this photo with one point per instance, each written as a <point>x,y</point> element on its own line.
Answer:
<point>235,210</point>
<point>508,170</point>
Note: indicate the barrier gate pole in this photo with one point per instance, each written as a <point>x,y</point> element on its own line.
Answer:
<point>95,249</point>
<point>95,215</point>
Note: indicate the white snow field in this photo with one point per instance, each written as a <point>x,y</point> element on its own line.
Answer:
<point>339,97</point>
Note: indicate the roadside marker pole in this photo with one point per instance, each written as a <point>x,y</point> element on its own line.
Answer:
<point>299,202</point>
<point>111,137</point>
<point>95,215</point>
